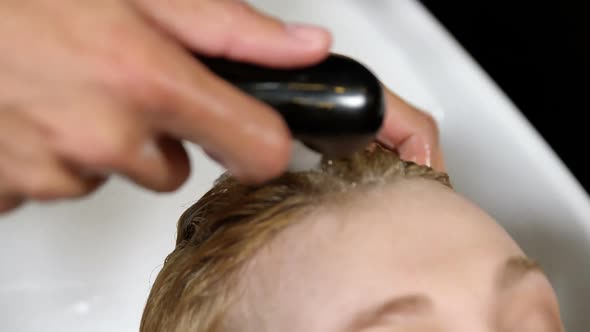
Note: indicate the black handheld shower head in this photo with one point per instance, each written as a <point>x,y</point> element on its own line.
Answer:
<point>335,107</point>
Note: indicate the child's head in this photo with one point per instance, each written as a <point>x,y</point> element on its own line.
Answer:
<point>369,243</point>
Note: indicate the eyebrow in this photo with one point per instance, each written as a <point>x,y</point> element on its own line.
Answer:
<point>514,269</point>
<point>414,303</point>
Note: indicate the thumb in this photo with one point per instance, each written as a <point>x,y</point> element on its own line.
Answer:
<point>234,30</point>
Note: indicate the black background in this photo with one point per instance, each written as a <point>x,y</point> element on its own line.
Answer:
<point>539,54</point>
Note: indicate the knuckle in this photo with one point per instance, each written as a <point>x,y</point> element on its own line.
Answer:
<point>234,11</point>
<point>130,68</point>
<point>113,57</point>
<point>145,85</point>
<point>55,186</point>
<point>130,80</point>
<point>134,81</point>
<point>39,186</point>
<point>107,154</point>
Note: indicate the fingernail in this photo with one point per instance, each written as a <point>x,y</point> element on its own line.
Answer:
<point>307,33</point>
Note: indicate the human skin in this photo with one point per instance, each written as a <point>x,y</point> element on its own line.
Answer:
<point>89,89</point>
<point>329,271</point>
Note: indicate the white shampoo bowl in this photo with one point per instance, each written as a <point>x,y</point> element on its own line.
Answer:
<point>88,265</point>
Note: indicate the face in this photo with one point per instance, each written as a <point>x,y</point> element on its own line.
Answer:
<point>411,256</point>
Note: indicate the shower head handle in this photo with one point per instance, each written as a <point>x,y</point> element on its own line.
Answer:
<point>334,107</point>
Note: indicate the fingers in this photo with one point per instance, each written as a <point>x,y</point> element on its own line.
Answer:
<point>414,134</point>
<point>180,98</point>
<point>113,93</point>
<point>233,29</point>
<point>248,137</point>
<point>63,153</point>
<point>103,135</point>
<point>28,170</point>
<point>171,165</point>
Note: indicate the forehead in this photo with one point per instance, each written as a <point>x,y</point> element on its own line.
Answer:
<point>409,236</point>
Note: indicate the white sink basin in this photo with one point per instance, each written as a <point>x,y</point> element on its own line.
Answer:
<point>87,265</point>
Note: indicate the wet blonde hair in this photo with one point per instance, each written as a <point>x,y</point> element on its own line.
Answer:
<point>225,228</point>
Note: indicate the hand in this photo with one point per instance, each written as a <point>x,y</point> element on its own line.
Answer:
<point>90,88</point>
<point>411,132</point>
